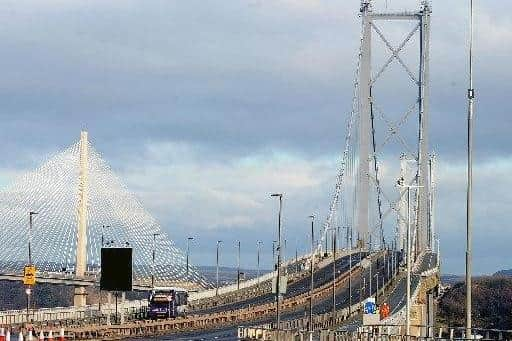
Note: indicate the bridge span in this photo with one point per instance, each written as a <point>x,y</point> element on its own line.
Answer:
<point>255,306</point>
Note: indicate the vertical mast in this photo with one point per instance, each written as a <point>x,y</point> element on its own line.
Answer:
<point>471,96</point>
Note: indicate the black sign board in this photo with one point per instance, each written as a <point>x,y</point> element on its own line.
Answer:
<point>116,269</point>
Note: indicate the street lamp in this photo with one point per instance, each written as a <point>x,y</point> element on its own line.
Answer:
<point>217,287</point>
<point>103,234</point>
<point>188,251</point>
<point>153,261</point>
<point>312,217</point>
<point>376,292</point>
<point>278,316</point>
<point>238,271</point>
<point>28,290</point>
<point>408,254</point>
<point>30,214</point>
<point>258,248</point>
<point>333,230</point>
<point>350,274</point>
<point>274,253</point>
<point>102,245</point>
<point>469,194</point>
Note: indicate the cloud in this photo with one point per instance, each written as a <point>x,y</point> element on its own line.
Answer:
<point>205,107</point>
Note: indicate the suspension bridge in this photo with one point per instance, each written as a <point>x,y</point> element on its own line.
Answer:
<point>383,198</point>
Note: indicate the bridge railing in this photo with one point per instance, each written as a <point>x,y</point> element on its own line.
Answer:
<point>265,277</point>
<point>126,308</point>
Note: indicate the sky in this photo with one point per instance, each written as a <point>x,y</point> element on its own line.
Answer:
<point>203,108</point>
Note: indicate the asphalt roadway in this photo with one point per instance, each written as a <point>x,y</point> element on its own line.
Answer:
<point>396,299</point>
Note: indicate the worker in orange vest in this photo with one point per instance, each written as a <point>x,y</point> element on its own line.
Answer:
<point>384,311</point>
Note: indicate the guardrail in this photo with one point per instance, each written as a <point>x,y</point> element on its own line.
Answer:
<point>210,293</point>
<point>126,308</point>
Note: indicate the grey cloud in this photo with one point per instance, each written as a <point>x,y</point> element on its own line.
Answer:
<point>229,80</point>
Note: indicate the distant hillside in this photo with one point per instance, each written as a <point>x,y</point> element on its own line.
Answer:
<point>492,303</point>
<point>449,279</point>
<point>507,273</point>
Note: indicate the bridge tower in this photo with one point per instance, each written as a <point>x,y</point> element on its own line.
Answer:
<point>365,99</point>
<point>81,241</point>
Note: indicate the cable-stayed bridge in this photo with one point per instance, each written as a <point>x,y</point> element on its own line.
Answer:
<point>82,205</point>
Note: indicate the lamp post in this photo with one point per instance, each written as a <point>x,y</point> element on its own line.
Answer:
<point>28,289</point>
<point>238,267</point>
<point>188,252</point>
<point>278,316</point>
<point>377,291</point>
<point>350,275</point>
<point>258,247</point>
<point>103,234</point>
<point>217,287</point>
<point>333,276</point>
<point>346,236</point>
<point>296,255</point>
<point>30,220</point>
<point>370,277</point>
<point>326,245</point>
<point>153,261</point>
<point>469,195</point>
<point>274,253</point>
<point>363,290</point>
<point>102,246</point>
<point>283,256</point>
<point>408,255</point>
<point>312,217</point>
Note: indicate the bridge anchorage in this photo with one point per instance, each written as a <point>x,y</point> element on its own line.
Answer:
<point>81,204</point>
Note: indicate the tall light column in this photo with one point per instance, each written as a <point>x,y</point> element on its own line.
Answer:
<point>188,252</point>
<point>217,286</point>
<point>333,277</point>
<point>278,294</point>
<point>153,257</point>
<point>238,267</point>
<point>469,227</point>
<point>28,289</point>
<point>350,275</point>
<point>312,270</point>
<point>258,246</point>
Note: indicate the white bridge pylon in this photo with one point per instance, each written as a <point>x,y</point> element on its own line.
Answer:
<point>77,195</point>
<point>362,203</point>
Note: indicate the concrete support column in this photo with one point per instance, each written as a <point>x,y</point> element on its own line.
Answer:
<point>80,297</point>
<point>109,310</point>
<point>121,307</point>
<point>81,241</point>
